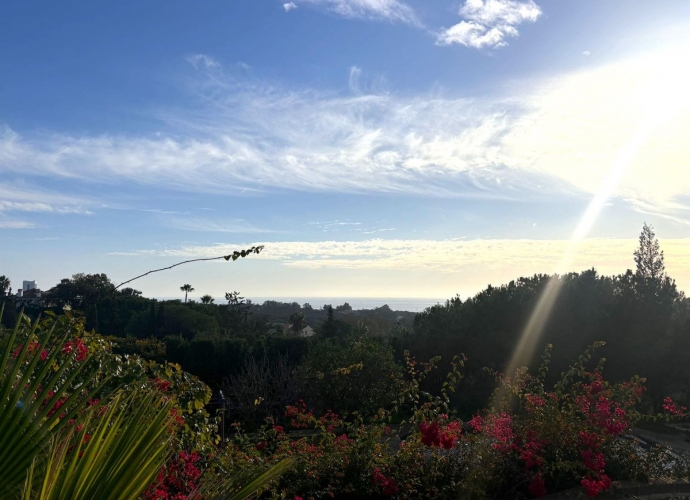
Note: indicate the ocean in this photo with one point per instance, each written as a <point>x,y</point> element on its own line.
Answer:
<point>395,303</point>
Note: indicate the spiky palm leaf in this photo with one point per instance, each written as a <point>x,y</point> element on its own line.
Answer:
<point>239,487</point>
<point>128,446</point>
<point>29,389</point>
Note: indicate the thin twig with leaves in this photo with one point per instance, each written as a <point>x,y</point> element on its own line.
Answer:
<point>234,256</point>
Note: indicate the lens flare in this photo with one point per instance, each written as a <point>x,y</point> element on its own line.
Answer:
<point>525,349</point>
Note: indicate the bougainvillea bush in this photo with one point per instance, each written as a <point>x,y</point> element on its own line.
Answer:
<point>532,440</point>
<point>60,382</point>
<point>78,422</point>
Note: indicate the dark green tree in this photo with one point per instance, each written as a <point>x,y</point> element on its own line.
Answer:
<point>4,286</point>
<point>206,299</point>
<point>649,258</point>
<point>153,326</point>
<point>297,322</point>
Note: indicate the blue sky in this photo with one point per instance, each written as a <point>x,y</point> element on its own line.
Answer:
<point>376,147</point>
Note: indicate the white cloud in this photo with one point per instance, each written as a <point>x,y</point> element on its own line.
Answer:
<point>488,23</point>
<point>500,12</point>
<point>355,74</point>
<point>205,225</point>
<point>474,35</point>
<point>202,61</point>
<point>390,10</point>
<point>508,257</point>
<point>17,199</point>
<point>586,53</point>
<point>543,138</point>
<point>289,6</point>
<point>16,224</point>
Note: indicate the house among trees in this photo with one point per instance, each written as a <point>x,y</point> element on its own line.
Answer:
<point>289,330</point>
<point>30,294</point>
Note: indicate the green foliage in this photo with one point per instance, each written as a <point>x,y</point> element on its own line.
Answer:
<point>175,320</point>
<point>41,371</point>
<point>115,456</point>
<point>186,288</point>
<point>357,375</point>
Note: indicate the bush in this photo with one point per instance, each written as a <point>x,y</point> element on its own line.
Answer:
<point>357,375</point>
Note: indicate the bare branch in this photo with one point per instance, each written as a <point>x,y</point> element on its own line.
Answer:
<point>234,256</point>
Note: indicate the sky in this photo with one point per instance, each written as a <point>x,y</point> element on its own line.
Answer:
<point>376,148</point>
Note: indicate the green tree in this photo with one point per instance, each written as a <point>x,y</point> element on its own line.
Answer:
<point>359,374</point>
<point>207,299</point>
<point>4,285</point>
<point>297,321</point>
<point>186,288</point>
<point>153,324</point>
<point>82,290</point>
<point>649,258</point>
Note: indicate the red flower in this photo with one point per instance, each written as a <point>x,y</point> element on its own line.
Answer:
<point>594,461</point>
<point>537,487</point>
<point>162,385</point>
<point>78,345</point>
<point>595,486</point>
<point>433,435</point>
<point>671,407</point>
<point>387,485</point>
<point>534,401</point>
<point>477,423</point>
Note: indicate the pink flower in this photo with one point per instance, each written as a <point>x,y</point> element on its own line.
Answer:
<point>671,407</point>
<point>387,485</point>
<point>594,461</point>
<point>537,487</point>
<point>595,486</point>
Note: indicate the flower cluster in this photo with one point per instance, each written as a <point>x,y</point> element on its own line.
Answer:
<point>300,418</point>
<point>673,409</point>
<point>77,345</point>
<point>387,485</point>
<point>33,347</point>
<point>329,421</point>
<point>177,480</point>
<point>435,436</point>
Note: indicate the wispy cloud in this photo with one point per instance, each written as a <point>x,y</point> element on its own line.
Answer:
<point>16,224</point>
<point>205,225</point>
<point>18,199</point>
<point>489,23</point>
<point>521,256</point>
<point>202,61</point>
<point>389,10</point>
<point>289,6</point>
<point>541,138</point>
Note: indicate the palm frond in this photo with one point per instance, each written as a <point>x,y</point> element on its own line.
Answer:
<point>30,387</point>
<point>127,448</point>
<point>239,487</point>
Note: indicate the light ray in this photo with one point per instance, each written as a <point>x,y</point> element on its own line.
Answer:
<point>525,349</point>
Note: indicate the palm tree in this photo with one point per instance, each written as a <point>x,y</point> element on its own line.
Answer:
<point>207,299</point>
<point>186,288</point>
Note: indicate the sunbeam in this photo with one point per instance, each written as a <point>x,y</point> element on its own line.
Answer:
<point>529,339</point>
